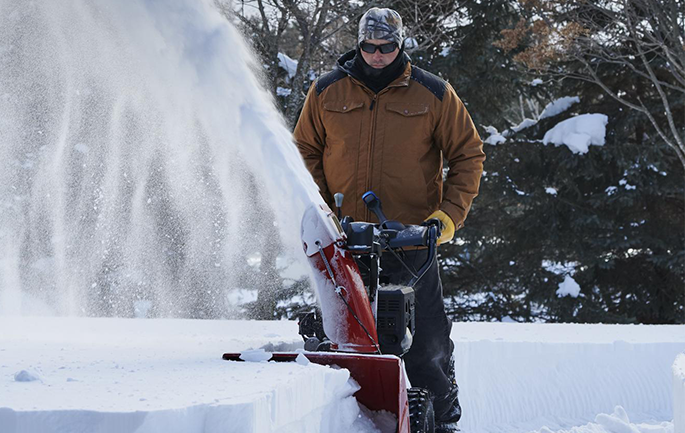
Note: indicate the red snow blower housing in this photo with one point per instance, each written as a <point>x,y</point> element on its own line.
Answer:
<point>362,326</point>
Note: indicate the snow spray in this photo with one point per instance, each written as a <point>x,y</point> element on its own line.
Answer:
<point>138,157</point>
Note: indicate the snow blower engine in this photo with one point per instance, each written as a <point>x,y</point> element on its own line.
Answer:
<point>364,326</point>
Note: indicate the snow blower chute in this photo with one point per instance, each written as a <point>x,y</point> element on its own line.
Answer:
<point>362,326</point>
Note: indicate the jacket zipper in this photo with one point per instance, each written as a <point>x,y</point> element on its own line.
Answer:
<point>369,174</point>
<point>369,166</point>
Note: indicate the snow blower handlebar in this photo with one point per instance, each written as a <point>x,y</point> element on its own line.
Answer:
<point>390,235</point>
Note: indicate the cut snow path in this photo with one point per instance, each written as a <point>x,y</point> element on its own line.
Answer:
<point>127,375</point>
<point>522,377</point>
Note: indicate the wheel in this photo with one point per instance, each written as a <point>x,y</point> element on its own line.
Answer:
<point>421,416</point>
<point>311,344</point>
<point>311,325</point>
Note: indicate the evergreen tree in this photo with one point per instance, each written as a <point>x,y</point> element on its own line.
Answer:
<point>611,219</point>
<point>492,86</point>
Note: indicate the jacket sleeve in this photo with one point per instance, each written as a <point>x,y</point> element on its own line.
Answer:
<point>457,137</point>
<point>310,137</point>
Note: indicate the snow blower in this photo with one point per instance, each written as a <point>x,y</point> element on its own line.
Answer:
<point>362,326</point>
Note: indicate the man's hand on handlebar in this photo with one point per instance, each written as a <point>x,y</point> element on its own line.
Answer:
<point>446,226</point>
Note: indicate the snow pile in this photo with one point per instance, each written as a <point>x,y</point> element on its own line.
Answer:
<point>129,375</point>
<point>288,64</point>
<point>255,355</point>
<point>384,421</point>
<point>527,123</point>
<point>558,106</point>
<point>568,287</point>
<point>611,190</point>
<point>495,137</point>
<point>617,422</point>
<point>579,132</point>
<point>26,376</point>
<point>302,359</point>
<point>679,393</point>
<point>283,91</point>
<point>560,268</point>
<point>624,183</point>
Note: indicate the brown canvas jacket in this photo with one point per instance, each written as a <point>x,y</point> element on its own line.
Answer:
<point>392,143</point>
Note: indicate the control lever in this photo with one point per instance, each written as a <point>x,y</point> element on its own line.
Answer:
<point>374,204</point>
<point>338,197</point>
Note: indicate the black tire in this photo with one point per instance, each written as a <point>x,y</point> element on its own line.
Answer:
<point>311,344</point>
<point>421,415</point>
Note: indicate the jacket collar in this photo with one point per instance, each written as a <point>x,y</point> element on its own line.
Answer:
<point>346,61</point>
<point>403,80</point>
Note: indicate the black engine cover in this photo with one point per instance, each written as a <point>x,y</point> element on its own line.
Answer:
<point>395,319</point>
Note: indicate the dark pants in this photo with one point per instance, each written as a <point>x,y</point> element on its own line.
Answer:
<point>429,362</point>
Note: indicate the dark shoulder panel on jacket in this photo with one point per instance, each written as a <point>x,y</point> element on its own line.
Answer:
<point>435,84</point>
<point>327,79</point>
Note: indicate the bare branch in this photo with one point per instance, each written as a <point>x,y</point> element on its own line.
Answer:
<point>597,80</point>
<point>641,108</point>
<point>262,13</point>
<point>624,61</point>
<point>645,37</point>
<point>678,150</point>
<point>662,95</point>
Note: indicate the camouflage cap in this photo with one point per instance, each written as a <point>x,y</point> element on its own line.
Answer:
<point>381,23</point>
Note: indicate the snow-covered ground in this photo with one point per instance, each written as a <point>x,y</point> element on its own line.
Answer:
<point>153,107</point>
<point>142,375</point>
<point>559,377</point>
<point>679,393</point>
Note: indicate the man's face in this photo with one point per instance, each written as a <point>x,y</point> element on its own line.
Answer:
<point>377,59</point>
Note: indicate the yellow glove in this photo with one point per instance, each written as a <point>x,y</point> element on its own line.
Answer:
<point>447,229</point>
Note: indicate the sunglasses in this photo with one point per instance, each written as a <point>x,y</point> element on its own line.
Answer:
<point>385,48</point>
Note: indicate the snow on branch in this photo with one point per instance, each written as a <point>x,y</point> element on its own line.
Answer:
<point>579,132</point>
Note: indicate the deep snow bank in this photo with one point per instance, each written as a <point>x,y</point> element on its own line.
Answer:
<point>118,375</point>
<point>521,377</point>
<point>679,394</point>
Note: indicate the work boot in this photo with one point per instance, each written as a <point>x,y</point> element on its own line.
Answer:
<point>446,406</point>
<point>450,427</point>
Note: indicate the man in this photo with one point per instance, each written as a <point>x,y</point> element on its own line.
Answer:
<point>378,123</point>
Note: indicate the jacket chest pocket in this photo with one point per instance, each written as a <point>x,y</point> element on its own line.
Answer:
<point>408,127</point>
<point>342,121</point>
